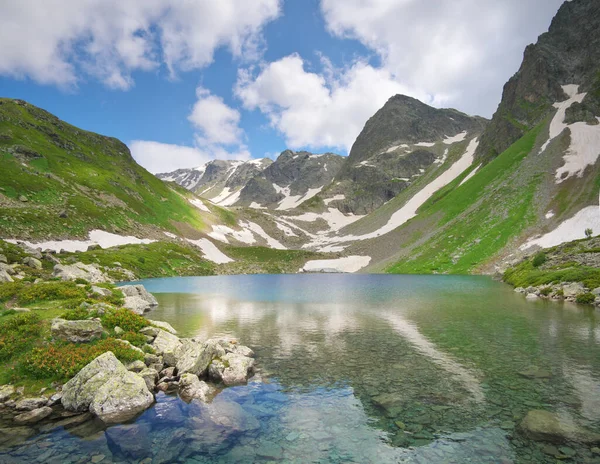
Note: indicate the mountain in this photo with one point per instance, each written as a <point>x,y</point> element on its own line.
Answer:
<point>59,181</point>
<point>292,179</point>
<point>218,180</point>
<point>567,54</point>
<point>396,146</point>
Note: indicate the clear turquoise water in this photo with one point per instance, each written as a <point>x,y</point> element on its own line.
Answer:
<point>361,368</point>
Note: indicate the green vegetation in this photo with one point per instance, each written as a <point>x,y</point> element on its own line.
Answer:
<point>539,259</point>
<point>471,225</point>
<point>60,180</point>
<point>252,260</point>
<point>30,357</point>
<point>585,298</point>
<point>158,259</point>
<point>571,262</point>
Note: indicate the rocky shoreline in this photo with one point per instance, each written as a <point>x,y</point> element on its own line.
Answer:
<point>574,292</point>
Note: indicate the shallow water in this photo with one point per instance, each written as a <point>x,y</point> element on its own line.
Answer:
<point>360,368</point>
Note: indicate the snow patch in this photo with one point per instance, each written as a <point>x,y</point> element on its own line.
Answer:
<point>334,198</point>
<point>220,232</point>
<point>425,144</point>
<point>221,196</point>
<point>199,204</point>
<point>571,229</point>
<point>334,218</point>
<point>231,199</point>
<point>471,174</point>
<point>255,205</point>
<point>170,235</point>
<point>96,237</point>
<point>210,251</point>
<point>347,264</point>
<point>583,151</point>
<point>457,138</point>
<point>550,214</point>
<point>557,125</point>
<point>293,201</point>
<point>260,231</point>
<point>285,229</point>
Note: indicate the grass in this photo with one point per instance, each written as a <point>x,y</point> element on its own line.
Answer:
<point>472,224</point>
<point>158,259</point>
<point>93,178</point>
<point>268,260</point>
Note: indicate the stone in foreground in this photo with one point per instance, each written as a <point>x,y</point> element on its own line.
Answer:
<point>542,425</point>
<point>81,271</point>
<point>34,416</point>
<point>76,331</point>
<point>191,387</point>
<point>108,390</point>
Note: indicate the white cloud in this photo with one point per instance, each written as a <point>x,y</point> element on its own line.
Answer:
<point>59,41</point>
<point>463,50</point>
<point>217,122</point>
<point>313,110</point>
<point>159,157</point>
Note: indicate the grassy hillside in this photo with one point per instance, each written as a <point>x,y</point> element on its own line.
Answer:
<point>466,228</point>
<point>60,181</point>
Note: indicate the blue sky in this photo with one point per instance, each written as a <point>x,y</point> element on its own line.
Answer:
<point>182,86</point>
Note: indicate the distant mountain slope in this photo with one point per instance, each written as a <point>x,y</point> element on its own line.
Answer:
<point>61,181</point>
<point>396,146</point>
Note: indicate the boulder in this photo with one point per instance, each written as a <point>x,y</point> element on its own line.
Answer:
<point>571,290</point>
<point>6,391</point>
<point>232,369</point>
<point>166,345</point>
<point>29,404</point>
<point>136,366</point>
<point>532,291</point>
<point>5,276</point>
<point>150,376</point>
<point>32,262</point>
<point>121,398</point>
<point>163,325</point>
<point>194,358</point>
<point>531,296</point>
<point>136,304</point>
<point>76,331</point>
<point>596,291</point>
<point>79,270</point>
<point>108,390</point>
<point>101,291</point>
<point>10,270</point>
<point>140,291</point>
<point>3,259</point>
<point>191,387</point>
<point>34,416</point>
<point>150,331</point>
<point>542,425</point>
<point>50,257</point>
<point>132,441</point>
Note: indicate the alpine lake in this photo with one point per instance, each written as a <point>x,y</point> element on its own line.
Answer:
<point>361,369</point>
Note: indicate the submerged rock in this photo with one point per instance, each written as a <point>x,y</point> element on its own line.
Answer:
<point>546,426</point>
<point>131,440</point>
<point>536,373</point>
<point>34,416</point>
<point>76,331</point>
<point>191,387</point>
<point>108,390</point>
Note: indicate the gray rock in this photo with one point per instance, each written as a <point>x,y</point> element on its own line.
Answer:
<point>150,331</point>
<point>3,259</point>
<point>531,296</point>
<point>571,290</point>
<point>536,373</point>
<point>546,426</point>
<point>118,331</point>
<point>6,391</point>
<point>29,404</point>
<point>33,416</point>
<point>101,291</point>
<point>596,291</point>
<point>150,376</point>
<point>10,270</point>
<point>5,276</point>
<point>139,291</point>
<point>137,304</point>
<point>76,331</point>
<point>136,366</point>
<point>233,369</point>
<point>80,271</point>
<point>166,345</point>
<point>191,387</point>
<point>32,262</point>
<point>132,441</point>
<point>532,291</point>
<point>163,325</point>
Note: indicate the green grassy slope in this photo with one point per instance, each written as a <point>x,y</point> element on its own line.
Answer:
<point>50,167</point>
<point>465,228</point>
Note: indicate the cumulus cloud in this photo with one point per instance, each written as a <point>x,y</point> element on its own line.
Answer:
<point>218,136</point>
<point>159,157</point>
<point>218,123</point>
<point>462,50</point>
<point>313,110</point>
<point>59,41</point>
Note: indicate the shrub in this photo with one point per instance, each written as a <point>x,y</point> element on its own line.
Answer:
<point>63,361</point>
<point>50,291</point>
<point>559,293</point>
<point>9,290</point>
<point>135,338</point>
<point>124,318</point>
<point>545,291</point>
<point>589,232</point>
<point>539,259</point>
<point>76,314</point>
<point>79,280</point>
<point>18,333</point>
<point>585,298</point>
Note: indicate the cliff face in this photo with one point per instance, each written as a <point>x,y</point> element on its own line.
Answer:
<point>569,53</point>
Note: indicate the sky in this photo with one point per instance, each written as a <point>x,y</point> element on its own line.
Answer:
<point>182,82</point>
